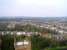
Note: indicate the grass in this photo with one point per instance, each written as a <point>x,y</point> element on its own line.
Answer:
<point>57,48</point>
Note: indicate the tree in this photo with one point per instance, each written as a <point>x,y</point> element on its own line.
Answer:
<point>7,42</point>
<point>39,43</point>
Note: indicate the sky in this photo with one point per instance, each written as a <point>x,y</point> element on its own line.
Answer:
<point>33,8</point>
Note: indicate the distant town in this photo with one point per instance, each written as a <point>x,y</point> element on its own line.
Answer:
<point>33,33</point>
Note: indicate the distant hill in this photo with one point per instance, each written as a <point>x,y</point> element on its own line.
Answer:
<point>35,19</point>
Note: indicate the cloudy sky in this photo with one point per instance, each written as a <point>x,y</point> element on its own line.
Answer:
<point>33,8</point>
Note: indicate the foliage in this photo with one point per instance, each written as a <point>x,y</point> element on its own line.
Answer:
<point>7,42</point>
<point>39,43</point>
<point>19,38</point>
